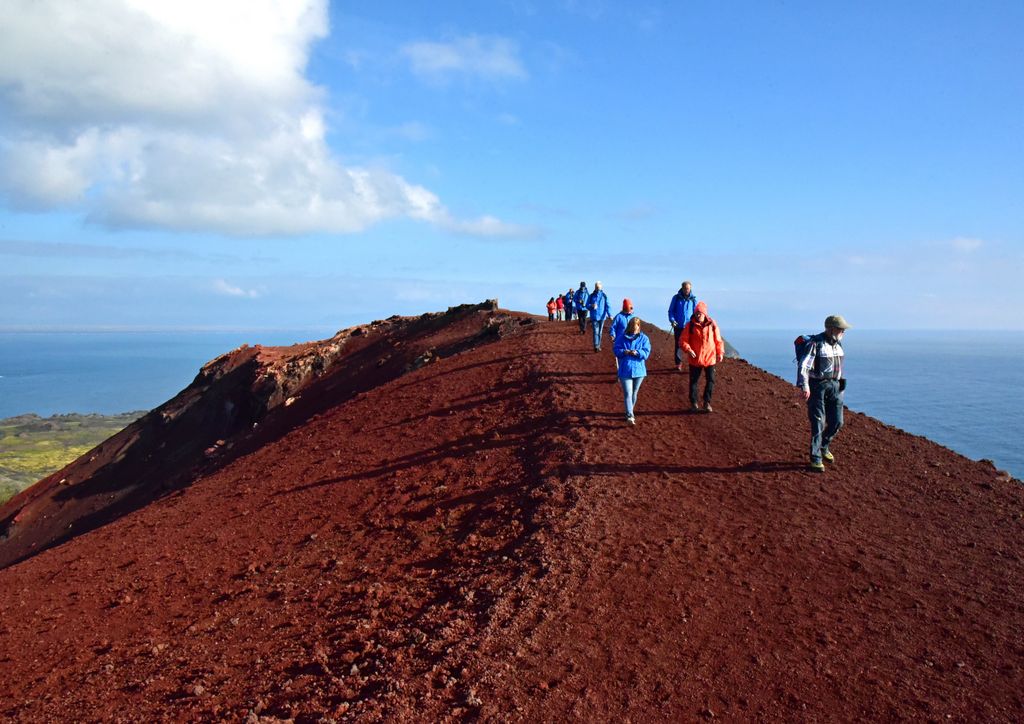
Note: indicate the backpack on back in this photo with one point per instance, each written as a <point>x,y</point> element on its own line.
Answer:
<point>802,345</point>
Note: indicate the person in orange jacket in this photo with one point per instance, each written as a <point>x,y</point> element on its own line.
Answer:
<point>702,344</point>
<point>551,309</point>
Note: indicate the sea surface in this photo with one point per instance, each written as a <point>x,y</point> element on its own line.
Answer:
<point>108,372</point>
<point>962,389</point>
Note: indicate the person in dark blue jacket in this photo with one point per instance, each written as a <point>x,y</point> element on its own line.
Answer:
<point>680,309</point>
<point>632,348</point>
<point>568,305</point>
<point>579,303</point>
<point>597,307</point>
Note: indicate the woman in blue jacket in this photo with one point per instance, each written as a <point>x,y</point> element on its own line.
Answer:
<point>632,348</point>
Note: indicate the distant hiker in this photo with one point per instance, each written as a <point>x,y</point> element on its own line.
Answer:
<point>579,303</point>
<point>559,307</point>
<point>680,309</point>
<point>632,348</point>
<point>702,343</point>
<point>820,376</point>
<point>619,322</point>
<point>597,307</point>
<point>569,305</point>
<point>552,306</point>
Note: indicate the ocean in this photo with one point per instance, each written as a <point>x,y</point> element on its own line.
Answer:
<point>52,373</point>
<point>962,389</point>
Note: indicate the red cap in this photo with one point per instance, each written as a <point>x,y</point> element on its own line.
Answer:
<point>627,306</point>
<point>702,308</point>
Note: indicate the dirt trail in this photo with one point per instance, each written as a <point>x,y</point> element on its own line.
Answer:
<point>484,536</point>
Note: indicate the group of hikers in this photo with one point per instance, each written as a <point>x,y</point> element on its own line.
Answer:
<point>697,337</point>
<point>699,344</point>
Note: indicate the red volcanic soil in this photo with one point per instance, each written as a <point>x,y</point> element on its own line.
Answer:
<point>475,532</point>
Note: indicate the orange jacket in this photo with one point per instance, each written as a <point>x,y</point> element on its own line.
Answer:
<point>704,340</point>
<point>552,307</point>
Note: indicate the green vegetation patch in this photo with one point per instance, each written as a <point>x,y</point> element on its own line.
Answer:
<point>32,447</point>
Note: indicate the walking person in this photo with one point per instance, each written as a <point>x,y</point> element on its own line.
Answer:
<point>620,320</point>
<point>820,377</point>
<point>632,348</point>
<point>559,307</point>
<point>579,303</point>
<point>680,309</point>
<point>597,306</point>
<point>569,306</point>
<point>551,309</point>
<point>703,345</point>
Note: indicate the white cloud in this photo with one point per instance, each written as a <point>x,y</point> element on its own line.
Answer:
<point>966,245</point>
<point>223,287</point>
<point>184,115</point>
<point>473,55</point>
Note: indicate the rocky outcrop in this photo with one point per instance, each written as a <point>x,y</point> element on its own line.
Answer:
<point>236,403</point>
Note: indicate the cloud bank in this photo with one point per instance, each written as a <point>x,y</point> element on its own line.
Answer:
<point>191,116</point>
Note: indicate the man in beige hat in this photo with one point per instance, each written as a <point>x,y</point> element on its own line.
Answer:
<point>820,377</point>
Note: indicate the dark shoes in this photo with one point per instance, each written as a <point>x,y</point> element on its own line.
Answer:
<point>707,407</point>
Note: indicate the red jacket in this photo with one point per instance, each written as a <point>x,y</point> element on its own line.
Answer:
<point>559,302</point>
<point>551,307</point>
<point>702,339</point>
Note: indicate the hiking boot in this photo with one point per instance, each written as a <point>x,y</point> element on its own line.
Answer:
<point>816,468</point>
<point>694,407</point>
<point>707,407</point>
<point>828,457</point>
<point>631,420</point>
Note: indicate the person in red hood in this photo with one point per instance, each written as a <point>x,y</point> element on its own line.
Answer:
<point>702,344</point>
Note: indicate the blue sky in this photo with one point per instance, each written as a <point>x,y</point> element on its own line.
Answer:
<point>312,166</point>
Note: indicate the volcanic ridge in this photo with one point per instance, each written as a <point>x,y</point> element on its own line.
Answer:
<point>446,517</point>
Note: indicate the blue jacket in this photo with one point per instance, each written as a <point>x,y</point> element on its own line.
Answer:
<point>630,366</point>
<point>680,309</point>
<point>618,325</point>
<point>567,299</point>
<point>597,305</point>
<point>580,298</point>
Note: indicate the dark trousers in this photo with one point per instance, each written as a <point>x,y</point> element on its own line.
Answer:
<point>568,314</point>
<point>679,353</point>
<point>825,411</point>
<point>551,316</point>
<point>582,314</point>
<point>709,385</point>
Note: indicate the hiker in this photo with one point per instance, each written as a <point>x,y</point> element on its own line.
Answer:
<point>579,303</point>
<point>632,348</point>
<point>552,306</point>
<point>619,322</point>
<point>597,306</point>
<point>820,377</point>
<point>559,307</point>
<point>569,306</point>
<point>702,343</point>
<point>680,309</point>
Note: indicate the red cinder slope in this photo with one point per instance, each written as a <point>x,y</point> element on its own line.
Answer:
<point>237,403</point>
<point>483,536</point>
